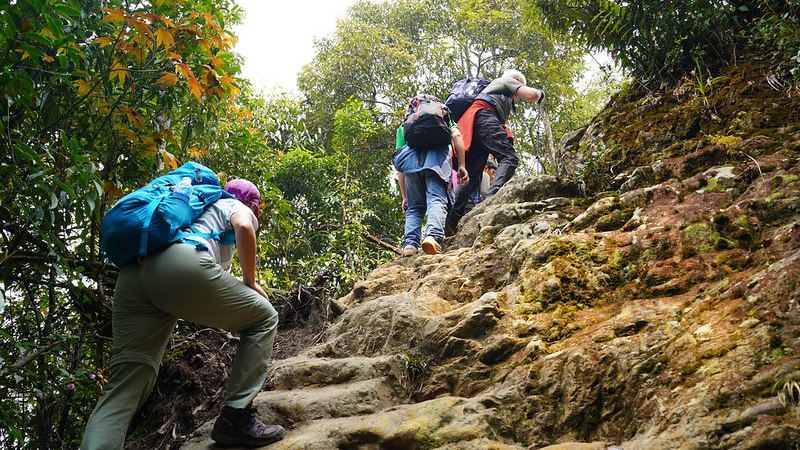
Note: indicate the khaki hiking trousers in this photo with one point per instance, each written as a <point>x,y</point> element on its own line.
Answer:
<point>180,282</point>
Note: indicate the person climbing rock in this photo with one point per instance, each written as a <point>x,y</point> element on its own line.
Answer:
<point>191,282</point>
<point>424,171</point>
<point>484,131</point>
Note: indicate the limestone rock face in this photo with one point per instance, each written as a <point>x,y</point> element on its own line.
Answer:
<point>659,312</point>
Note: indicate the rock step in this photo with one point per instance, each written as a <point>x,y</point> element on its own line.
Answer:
<point>451,423</point>
<point>290,407</point>
<point>301,371</point>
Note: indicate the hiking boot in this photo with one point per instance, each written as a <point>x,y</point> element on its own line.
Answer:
<point>431,246</point>
<point>239,426</point>
<point>410,250</point>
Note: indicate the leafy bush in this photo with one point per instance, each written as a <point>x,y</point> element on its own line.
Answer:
<point>778,30</point>
<point>658,42</point>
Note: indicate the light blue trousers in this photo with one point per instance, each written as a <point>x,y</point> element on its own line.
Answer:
<point>184,282</point>
<point>425,192</point>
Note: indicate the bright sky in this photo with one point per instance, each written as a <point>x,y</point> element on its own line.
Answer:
<point>276,38</point>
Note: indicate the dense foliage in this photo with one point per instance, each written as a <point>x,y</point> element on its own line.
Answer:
<point>96,97</point>
<point>660,43</point>
<point>383,54</point>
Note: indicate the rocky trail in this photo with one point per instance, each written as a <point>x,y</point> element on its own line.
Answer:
<point>652,304</point>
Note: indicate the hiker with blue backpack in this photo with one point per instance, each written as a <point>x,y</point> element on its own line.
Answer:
<point>186,278</point>
<point>482,109</point>
<point>422,159</point>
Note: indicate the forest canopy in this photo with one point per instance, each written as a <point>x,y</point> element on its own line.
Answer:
<point>99,97</point>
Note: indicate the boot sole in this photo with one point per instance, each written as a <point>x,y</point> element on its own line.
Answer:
<point>429,249</point>
<point>223,439</point>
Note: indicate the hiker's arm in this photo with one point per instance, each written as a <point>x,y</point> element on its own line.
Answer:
<point>246,247</point>
<point>458,144</point>
<point>529,94</point>
<point>401,179</point>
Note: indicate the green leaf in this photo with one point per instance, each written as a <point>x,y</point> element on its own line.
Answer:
<point>39,39</point>
<point>66,189</point>
<point>68,11</point>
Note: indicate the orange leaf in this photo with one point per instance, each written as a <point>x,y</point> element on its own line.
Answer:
<point>142,27</point>
<point>134,117</point>
<point>113,15</point>
<point>103,41</point>
<point>167,134</point>
<point>164,37</point>
<point>114,192</point>
<point>167,22</point>
<point>184,70</point>
<point>196,89</point>
<point>197,153</point>
<point>168,79</point>
<point>175,56</point>
<point>226,81</point>
<point>215,62</point>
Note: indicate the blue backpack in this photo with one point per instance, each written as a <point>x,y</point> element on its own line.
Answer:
<point>463,94</point>
<point>151,218</point>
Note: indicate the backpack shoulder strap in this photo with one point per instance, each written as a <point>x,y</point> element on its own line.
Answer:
<point>151,209</point>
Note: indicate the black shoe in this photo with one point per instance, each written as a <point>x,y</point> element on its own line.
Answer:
<point>241,427</point>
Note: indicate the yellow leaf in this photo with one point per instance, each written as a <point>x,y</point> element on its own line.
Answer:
<point>170,159</point>
<point>168,79</point>
<point>47,58</point>
<point>102,107</point>
<point>130,136</point>
<point>25,54</point>
<point>164,37</point>
<point>47,33</point>
<point>196,89</point>
<point>84,87</point>
<point>119,71</point>
<point>204,44</point>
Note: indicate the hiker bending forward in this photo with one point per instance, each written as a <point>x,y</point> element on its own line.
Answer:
<point>484,130</point>
<point>191,282</point>
<point>424,179</point>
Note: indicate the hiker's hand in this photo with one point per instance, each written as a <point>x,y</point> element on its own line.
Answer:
<point>256,287</point>
<point>541,96</point>
<point>404,206</point>
<point>463,176</point>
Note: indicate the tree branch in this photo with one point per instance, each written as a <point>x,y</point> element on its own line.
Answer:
<point>27,359</point>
